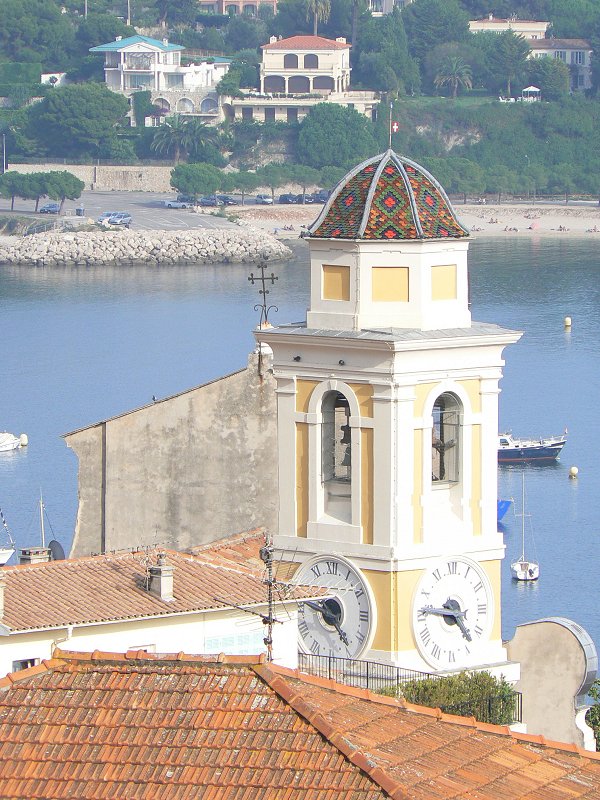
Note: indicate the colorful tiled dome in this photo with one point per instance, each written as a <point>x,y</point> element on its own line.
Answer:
<point>388,197</point>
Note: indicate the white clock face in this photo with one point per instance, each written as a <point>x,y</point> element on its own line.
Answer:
<point>341,625</point>
<point>453,613</point>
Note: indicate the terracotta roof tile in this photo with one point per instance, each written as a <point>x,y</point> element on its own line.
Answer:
<point>306,43</point>
<point>173,726</point>
<point>111,587</point>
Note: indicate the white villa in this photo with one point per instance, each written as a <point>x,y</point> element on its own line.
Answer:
<point>296,74</point>
<point>141,63</point>
<point>575,53</point>
<point>528,28</point>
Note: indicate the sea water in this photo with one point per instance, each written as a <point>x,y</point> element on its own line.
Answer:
<point>79,345</point>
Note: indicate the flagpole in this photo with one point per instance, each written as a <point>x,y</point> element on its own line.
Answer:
<point>390,125</point>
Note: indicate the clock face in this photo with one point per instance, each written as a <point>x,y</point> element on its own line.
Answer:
<point>341,625</point>
<point>452,613</point>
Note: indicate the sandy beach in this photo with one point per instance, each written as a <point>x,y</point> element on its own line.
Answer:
<point>482,220</point>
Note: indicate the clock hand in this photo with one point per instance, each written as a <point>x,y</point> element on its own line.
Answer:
<point>328,617</point>
<point>448,611</point>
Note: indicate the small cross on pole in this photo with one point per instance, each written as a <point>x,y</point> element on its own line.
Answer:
<point>263,279</point>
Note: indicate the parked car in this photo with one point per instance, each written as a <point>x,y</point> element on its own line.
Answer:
<point>120,218</point>
<point>105,215</point>
<point>178,204</point>
<point>210,200</point>
<point>50,208</point>
<point>321,196</point>
<point>227,200</point>
<point>289,198</point>
<point>187,198</point>
<point>264,200</point>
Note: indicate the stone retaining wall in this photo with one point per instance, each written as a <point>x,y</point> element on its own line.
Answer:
<point>109,178</point>
<point>145,247</point>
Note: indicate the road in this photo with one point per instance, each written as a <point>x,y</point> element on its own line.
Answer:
<point>146,208</point>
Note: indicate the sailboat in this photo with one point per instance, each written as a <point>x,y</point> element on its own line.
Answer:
<point>7,547</point>
<point>524,569</point>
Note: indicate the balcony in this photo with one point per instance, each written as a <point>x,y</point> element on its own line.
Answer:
<point>377,677</point>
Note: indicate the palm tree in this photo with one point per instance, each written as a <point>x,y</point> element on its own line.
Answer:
<point>171,137</point>
<point>198,135</point>
<point>319,10</point>
<point>453,72</point>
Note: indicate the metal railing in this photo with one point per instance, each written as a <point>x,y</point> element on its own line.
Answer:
<point>379,677</point>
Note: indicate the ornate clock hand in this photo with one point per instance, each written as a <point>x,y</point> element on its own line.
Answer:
<point>450,609</point>
<point>329,617</point>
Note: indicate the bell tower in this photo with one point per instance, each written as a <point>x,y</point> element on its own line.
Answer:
<point>387,404</point>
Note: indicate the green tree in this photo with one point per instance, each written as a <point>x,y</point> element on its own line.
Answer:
<point>242,181</point>
<point>550,75</point>
<point>304,176</point>
<point>35,30</point>
<point>334,135</point>
<point>382,60</point>
<point>196,179</point>
<point>455,74</point>
<point>432,22</point>
<point>177,12</point>
<point>273,176</point>
<point>593,715</point>
<point>96,29</point>
<point>291,18</point>
<point>318,11</point>
<point>171,138</point>
<point>245,33</point>
<point>76,120</point>
<point>62,186</point>
<point>510,57</point>
<point>330,176</point>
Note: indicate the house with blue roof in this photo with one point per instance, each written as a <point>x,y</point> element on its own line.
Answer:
<point>140,63</point>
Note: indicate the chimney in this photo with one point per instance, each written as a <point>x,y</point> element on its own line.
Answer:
<point>118,38</point>
<point>272,39</point>
<point>2,589</point>
<point>160,579</point>
<point>165,42</point>
<point>491,16</point>
<point>34,555</point>
<point>341,39</point>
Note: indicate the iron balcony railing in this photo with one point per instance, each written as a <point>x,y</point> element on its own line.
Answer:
<point>378,677</point>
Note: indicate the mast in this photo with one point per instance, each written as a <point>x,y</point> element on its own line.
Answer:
<point>42,532</point>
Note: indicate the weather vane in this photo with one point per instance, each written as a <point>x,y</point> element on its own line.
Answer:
<point>263,279</point>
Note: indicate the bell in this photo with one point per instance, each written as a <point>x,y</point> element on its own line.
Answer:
<point>346,461</point>
<point>346,436</point>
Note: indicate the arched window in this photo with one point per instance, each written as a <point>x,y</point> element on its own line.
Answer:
<point>185,106</point>
<point>336,456</point>
<point>445,439</point>
<point>311,61</point>
<point>290,61</point>
<point>163,104</point>
<point>274,83</point>
<point>208,105</point>
<point>324,82</point>
<point>298,84</point>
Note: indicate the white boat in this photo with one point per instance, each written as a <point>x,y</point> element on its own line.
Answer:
<point>7,546</point>
<point>9,442</point>
<point>523,569</point>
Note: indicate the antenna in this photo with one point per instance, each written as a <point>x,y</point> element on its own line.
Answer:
<point>266,555</point>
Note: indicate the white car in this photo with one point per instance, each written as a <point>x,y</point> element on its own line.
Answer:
<point>264,200</point>
<point>178,204</point>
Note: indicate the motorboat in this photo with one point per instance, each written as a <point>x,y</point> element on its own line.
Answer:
<point>513,450</point>
<point>7,543</point>
<point>9,441</point>
<point>524,569</point>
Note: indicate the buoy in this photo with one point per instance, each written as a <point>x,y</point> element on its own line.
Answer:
<point>573,472</point>
<point>567,322</point>
<point>24,440</point>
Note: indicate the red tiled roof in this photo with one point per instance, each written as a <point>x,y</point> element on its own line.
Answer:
<point>306,43</point>
<point>111,587</point>
<point>102,725</point>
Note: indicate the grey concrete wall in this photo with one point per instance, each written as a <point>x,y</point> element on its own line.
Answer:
<point>109,178</point>
<point>184,471</point>
<point>553,669</point>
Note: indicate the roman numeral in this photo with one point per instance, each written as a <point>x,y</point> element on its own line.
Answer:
<point>332,567</point>
<point>360,636</point>
<point>451,657</point>
<point>315,648</point>
<point>478,631</point>
<point>437,575</point>
<point>358,592</point>
<point>363,616</point>
<point>479,587</point>
<point>452,567</point>
<point>482,608</point>
<point>302,627</point>
<point>436,651</point>
<point>316,571</point>
<point>425,636</point>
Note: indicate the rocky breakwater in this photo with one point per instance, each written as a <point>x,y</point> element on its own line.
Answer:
<point>200,246</point>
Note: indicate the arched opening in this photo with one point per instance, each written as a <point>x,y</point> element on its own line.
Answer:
<point>298,84</point>
<point>324,82</point>
<point>311,61</point>
<point>274,83</point>
<point>185,106</point>
<point>208,105</point>
<point>336,456</point>
<point>163,104</point>
<point>250,10</point>
<point>290,61</point>
<point>445,439</point>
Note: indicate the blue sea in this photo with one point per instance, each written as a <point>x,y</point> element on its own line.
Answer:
<point>82,344</point>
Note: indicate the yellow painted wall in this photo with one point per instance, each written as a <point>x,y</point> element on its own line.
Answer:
<point>366,494</point>
<point>389,284</point>
<point>393,593</point>
<point>301,478</point>
<point>418,490</point>
<point>364,395</point>
<point>492,570</point>
<point>473,389</point>
<point>443,282</point>
<point>336,282</point>
<point>476,480</point>
<point>304,389</point>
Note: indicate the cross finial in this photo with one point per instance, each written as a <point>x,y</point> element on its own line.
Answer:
<point>263,279</point>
